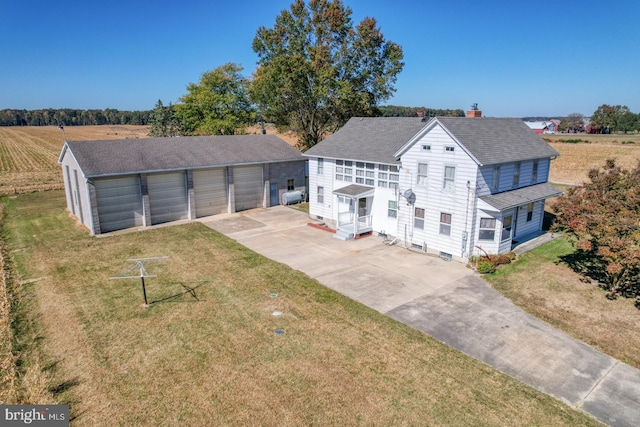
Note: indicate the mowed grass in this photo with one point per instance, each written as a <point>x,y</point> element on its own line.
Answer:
<point>217,360</point>
<point>29,154</point>
<point>576,159</point>
<point>542,283</point>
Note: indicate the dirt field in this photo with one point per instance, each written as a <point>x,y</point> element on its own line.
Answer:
<point>577,158</point>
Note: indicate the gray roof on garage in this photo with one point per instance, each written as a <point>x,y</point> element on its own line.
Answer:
<point>384,139</point>
<point>521,196</point>
<point>117,157</point>
<point>372,139</point>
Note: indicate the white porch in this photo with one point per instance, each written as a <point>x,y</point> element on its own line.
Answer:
<point>354,211</point>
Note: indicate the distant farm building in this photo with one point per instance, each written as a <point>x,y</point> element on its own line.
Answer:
<point>540,127</point>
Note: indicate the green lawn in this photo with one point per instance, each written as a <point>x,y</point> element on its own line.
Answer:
<point>217,360</point>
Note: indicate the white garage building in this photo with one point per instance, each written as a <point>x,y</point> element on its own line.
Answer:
<point>116,184</point>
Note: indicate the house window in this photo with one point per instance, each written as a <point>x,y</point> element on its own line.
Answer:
<point>394,178</point>
<point>339,170</point>
<point>449,148</point>
<point>320,166</point>
<point>534,171</point>
<point>383,179</point>
<point>360,176</point>
<point>487,229</point>
<point>449,178</point>
<point>445,224</point>
<point>422,174</point>
<point>370,175</point>
<point>496,177</point>
<point>426,147</point>
<point>348,173</point>
<point>529,211</point>
<point>291,185</point>
<point>392,211</point>
<point>506,227</point>
<point>418,219</point>
<point>516,174</point>
<point>320,195</point>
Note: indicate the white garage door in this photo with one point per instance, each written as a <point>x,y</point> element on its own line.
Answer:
<point>167,197</point>
<point>248,187</point>
<point>119,203</point>
<point>210,189</point>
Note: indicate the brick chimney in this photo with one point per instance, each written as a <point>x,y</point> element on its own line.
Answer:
<point>474,112</point>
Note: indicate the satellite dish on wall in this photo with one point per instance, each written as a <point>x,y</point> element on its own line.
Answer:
<point>410,196</point>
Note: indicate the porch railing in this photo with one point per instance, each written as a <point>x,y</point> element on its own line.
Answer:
<point>364,222</point>
<point>345,218</point>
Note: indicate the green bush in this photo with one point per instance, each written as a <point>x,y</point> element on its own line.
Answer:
<point>485,266</point>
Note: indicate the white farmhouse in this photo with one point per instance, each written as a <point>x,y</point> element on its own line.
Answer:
<point>452,186</point>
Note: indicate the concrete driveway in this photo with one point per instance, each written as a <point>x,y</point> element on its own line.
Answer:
<point>449,302</point>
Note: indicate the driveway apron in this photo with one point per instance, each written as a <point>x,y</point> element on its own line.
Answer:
<point>449,302</point>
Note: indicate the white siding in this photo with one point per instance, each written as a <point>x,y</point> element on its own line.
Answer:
<point>75,185</point>
<point>524,227</point>
<point>324,180</point>
<point>434,198</point>
<point>485,176</point>
<point>380,211</point>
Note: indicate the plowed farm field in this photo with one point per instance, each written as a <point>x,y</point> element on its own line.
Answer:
<point>580,153</point>
<point>29,154</point>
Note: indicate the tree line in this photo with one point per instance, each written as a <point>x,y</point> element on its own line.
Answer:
<point>72,117</point>
<point>398,111</point>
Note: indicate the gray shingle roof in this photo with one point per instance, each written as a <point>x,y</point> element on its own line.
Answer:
<point>497,140</point>
<point>111,157</point>
<point>373,139</point>
<point>521,196</point>
<point>354,190</point>
<point>380,139</point>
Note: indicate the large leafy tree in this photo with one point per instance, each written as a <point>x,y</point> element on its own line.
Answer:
<point>218,104</point>
<point>609,116</point>
<point>316,70</point>
<point>603,216</point>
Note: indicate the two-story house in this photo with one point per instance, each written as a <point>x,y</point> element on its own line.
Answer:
<point>445,185</point>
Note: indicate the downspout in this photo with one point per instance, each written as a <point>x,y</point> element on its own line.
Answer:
<point>465,234</point>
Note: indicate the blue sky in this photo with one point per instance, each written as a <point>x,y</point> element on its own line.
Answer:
<point>514,58</point>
